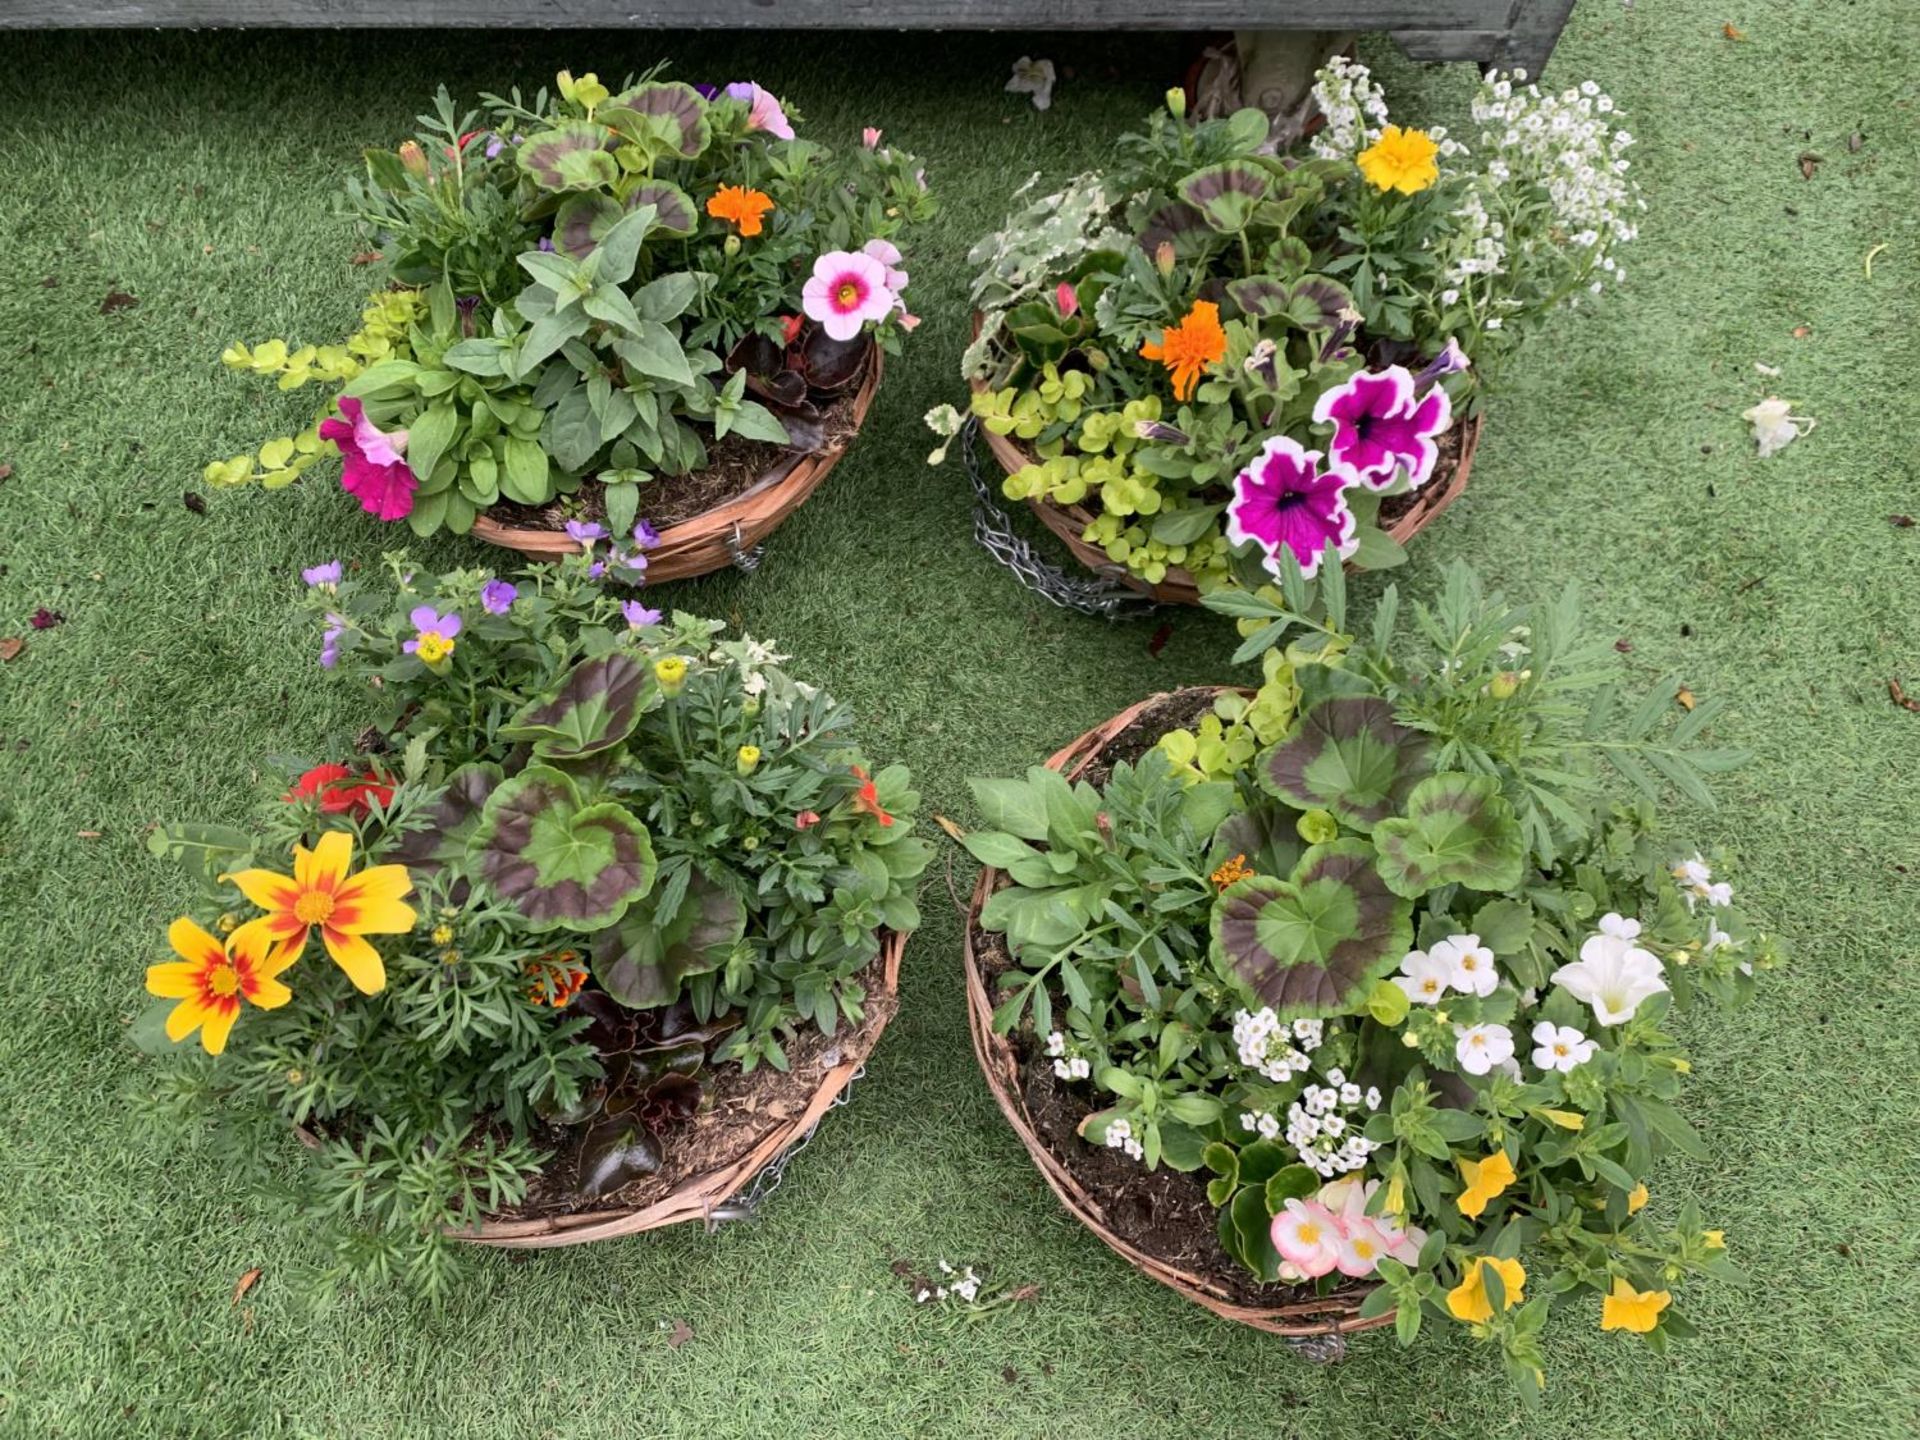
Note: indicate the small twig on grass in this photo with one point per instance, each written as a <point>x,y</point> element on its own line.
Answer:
<point>1901,698</point>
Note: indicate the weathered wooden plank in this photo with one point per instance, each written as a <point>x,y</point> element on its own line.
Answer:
<point>1488,47</point>
<point>1420,15</point>
<point>1532,34</point>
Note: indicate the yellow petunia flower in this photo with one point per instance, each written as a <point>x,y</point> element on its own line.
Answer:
<point>1637,1198</point>
<point>1716,1239</point>
<point>1402,160</point>
<point>1484,1179</point>
<point>1468,1300</point>
<point>210,980</point>
<point>346,908</point>
<point>1630,1309</point>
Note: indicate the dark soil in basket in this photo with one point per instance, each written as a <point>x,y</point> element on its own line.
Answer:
<point>1163,1213</point>
<point>740,1111</point>
<point>734,466</point>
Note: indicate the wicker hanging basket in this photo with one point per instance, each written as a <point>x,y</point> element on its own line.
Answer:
<point>1295,1311</point>
<point>1069,522</point>
<point>706,1196</point>
<point>718,537</point>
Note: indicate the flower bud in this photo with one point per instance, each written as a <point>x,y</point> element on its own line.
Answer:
<point>746,759</point>
<point>1503,685</point>
<point>1177,102</point>
<point>1066,299</point>
<point>671,672</point>
<point>413,158</point>
<point>731,245</point>
<point>1163,258</point>
<point>806,820</point>
<point>1317,827</point>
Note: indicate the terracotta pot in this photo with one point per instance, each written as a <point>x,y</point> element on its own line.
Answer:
<point>699,1197</point>
<point>1294,1311</point>
<point>710,540</point>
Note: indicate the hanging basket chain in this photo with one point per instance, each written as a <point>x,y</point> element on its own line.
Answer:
<point>746,1205</point>
<point>993,531</point>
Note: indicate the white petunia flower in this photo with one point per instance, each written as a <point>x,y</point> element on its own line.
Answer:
<point>1774,425</point>
<point>1560,1047</point>
<point>1424,977</point>
<point>1479,1048</point>
<point>1612,976</point>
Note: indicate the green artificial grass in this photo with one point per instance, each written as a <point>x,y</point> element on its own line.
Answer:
<point>198,174</point>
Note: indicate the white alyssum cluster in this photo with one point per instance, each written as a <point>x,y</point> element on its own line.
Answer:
<point>1120,1137</point>
<point>1271,1049</point>
<point>1066,1065</point>
<point>1324,1125</point>
<point>1355,108</point>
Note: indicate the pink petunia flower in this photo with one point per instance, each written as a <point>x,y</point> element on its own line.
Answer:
<point>374,465</point>
<point>1284,501</point>
<point>847,289</point>
<point>1379,426</point>
<point>763,109</point>
<point>1308,1237</point>
<point>870,137</point>
<point>888,254</point>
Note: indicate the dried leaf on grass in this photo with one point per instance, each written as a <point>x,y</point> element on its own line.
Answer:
<point>956,831</point>
<point>679,1334</point>
<point>1901,698</point>
<point>11,647</point>
<point>116,301</point>
<point>245,1283</point>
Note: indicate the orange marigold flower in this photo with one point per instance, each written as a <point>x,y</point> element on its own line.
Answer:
<point>867,797</point>
<point>1189,347</point>
<point>1235,869</point>
<point>557,978</point>
<point>740,207</point>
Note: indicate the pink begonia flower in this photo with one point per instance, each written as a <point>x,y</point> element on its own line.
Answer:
<point>1308,1237</point>
<point>374,465</point>
<point>763,109</point>
<point>847,289</point>
<point>1379,426</point>
<point>1348,1199</point>
<point>870,137</point>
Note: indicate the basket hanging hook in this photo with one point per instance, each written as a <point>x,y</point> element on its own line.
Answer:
<point>746,558</point>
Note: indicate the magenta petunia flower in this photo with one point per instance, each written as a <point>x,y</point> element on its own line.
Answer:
<point>1380,425</point>
<point>374,465</point>
<point>1284,501</point>
<point>763,109</point>
<point>847,289</point>
<point>497,596</point>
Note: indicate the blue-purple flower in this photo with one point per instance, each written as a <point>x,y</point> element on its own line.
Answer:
<point>585,533</point>
<point>497,596</point>
<point>1284,501</point>
<point>433,641</point>
<point>1450,361</point>
<point>645,536</point>
<point>1380,425</point>
<point>327,575</point>
<point>763,109</point>
<point>638,615</point>
<point>330,641</point>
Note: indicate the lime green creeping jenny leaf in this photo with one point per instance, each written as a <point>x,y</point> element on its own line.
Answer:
<point>595,706</point>
<point>1312,945</point>
<point>557,861</point>
<point>641,963</point>
<point>1348,755</point>
<point>1457,830</point>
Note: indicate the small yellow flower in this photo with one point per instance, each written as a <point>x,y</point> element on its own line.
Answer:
<point>1400,160</point>
<point>1484,1179</point>
<point>1716,1239</point>
<point>228,923</point>
<point>1637,1199</point>
<point>1630,1309</point>
<point>671,672</point>
<point>1468,1300</point>
<point>745,758</point>
<point>443,935</point>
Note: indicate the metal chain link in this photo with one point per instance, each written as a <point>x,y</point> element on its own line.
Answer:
<point>1328,1349</point>
<point>747,1203</point>
<point>993,531</point>
<point>746,558</point>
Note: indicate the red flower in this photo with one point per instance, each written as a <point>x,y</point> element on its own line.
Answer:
<point>791,324</point>
<point>867,798</point>
<point>340,791</point>
<point>806,820</point>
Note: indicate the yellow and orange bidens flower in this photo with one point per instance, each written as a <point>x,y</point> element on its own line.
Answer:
<point>347,908</point>
<point>1189,347</point>
<point>740,206</point>
<point>210,980</point>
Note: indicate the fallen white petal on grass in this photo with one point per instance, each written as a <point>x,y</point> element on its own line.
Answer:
<point>1774,425</point>
<point>1035,78</point>
<point>1772,372</point>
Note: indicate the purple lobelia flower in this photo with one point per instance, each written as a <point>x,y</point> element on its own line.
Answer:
<point>497,596</point>
<point>585,532</point>
<point>327,575</point>
<point>1285,501</point>
<point>763,109</point>
<point>707,92</point>
<point>645,536</point>
<point>639,615</point>
<point>1380,425</point>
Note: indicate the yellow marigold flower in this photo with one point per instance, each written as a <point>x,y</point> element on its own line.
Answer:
<point>745,758</point>
<point>347,908</point>
<point>1637,1198</point>
<point>443,934</point>
<point>211,979</point>
<point>1468,1300</point>
<point>1484,1179</point>
<point>1630,1309</point>
<point>1402,160</point>
<point>740,207</point>
<point>671,672</point>
<point>1234,870</point>
<point>1189,347</point>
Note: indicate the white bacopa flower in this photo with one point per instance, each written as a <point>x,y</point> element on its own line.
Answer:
<point>1035,78</point>
<point>1424,977</point>
<point>1613,975</point>
<point>1470,964</point>
<point>1479,1048</point>
<point>1560,1047</point>
<point>1056,1044</point>
<point>1774,425</point>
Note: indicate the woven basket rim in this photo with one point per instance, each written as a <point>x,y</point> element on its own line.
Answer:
<point>1179,587</point>
<point>698,1196</point>
<point>700,544</point>
<point>1311,1315</point>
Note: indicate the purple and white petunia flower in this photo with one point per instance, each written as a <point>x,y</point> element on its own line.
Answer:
<point>1450,361</point>
<point>638,615</point>
<point>327,575</point>
<point>497,596</point>
<point>763,109</point>
<point>1380,425</point>
<point>847,289</point>
<point>1285,501</point>
<point>633,560</point>
<point>585,532</point>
